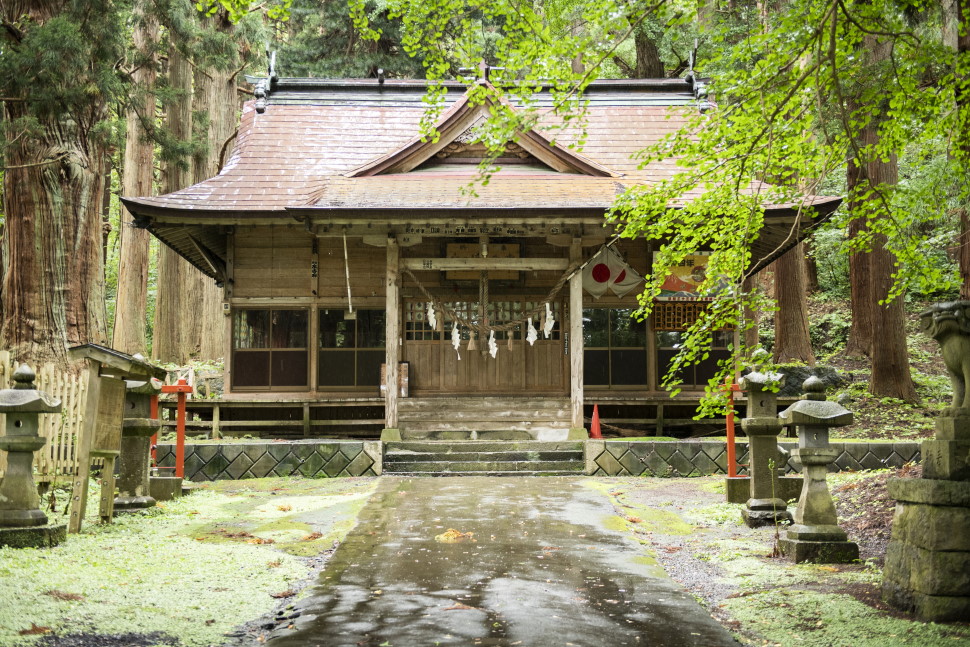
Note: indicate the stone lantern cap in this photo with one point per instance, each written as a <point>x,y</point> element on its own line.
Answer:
<point>756,381</point>
<point>815,409</point>
<point>24,398</point>
<point>151,386</point>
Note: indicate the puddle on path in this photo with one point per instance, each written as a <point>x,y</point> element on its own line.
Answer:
<point>541,567</point>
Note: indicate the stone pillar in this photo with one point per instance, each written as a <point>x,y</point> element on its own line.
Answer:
<point>927,569</point>
<point>816,536</point>
<point>765,506</point>
<point>136,431</point>
<point>22,524</point>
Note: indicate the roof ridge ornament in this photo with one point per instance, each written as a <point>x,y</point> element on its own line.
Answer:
<point>484,71</point>
<point>267,85</point>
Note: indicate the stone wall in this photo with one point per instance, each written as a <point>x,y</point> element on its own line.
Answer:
<point>332,458</point>
<point>700,458</point>
<point>312,459</point>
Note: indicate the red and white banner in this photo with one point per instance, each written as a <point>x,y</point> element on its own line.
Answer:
<point>608,271</point>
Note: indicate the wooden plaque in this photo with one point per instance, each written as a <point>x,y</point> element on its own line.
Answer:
<point>107,427</point>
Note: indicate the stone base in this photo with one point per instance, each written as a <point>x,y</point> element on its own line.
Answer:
<point>820,552</point>
<point>738,488</point>
<point>45,536</point>
<point>22,518</point>
<point>133,503</point>
<point>577,433</point>
<point>165,488</point>
<point>929,608</point>
<point>760,518</point>
<point>389,435</point>
<point>927,569</point>
<point>947,460</point>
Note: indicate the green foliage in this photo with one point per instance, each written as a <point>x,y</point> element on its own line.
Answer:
<point>796,90</point>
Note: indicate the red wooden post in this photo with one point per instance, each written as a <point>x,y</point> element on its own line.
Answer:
<point>154,415</point>
<point>181,390</point>
<point>732,467</point>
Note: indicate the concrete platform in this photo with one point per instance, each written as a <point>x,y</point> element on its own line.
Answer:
<point>541,566</point>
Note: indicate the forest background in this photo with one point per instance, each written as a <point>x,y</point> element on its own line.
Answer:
<point>867,99</point>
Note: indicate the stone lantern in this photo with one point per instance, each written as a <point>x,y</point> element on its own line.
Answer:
<point>22,524</point>
<point>816,536</point>
<point>137,428</point>
<point>764,507</point>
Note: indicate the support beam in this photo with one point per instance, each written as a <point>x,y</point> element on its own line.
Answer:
<point>576,341</point>
<point>488,264</point>
<point>392,333</point>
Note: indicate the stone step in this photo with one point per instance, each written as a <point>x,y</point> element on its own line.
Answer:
<point>476,457</point>
<point>482,446</point>
<point>475,467</point>
<point>460,474</point>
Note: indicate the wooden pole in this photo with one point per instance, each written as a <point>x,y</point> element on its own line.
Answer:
<point>576,338</point>
<point>393,326</point>
<point>79,494</point>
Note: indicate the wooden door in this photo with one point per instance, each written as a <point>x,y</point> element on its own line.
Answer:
<point>517,368</point>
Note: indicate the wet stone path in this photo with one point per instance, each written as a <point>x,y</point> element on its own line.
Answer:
<point>541,567</point>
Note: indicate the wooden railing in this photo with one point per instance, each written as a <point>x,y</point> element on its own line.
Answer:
<point>58,456</point>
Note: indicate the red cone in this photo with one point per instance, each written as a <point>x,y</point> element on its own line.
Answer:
<point>594,428</point>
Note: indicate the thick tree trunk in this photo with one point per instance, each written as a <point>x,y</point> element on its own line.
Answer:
<point>53,184</point>
<point>792,341</point>
<point>130,326</point>
<point>649,65</point>
<point>890,359</point>
<point>957,35</point>
<point>173,305</point>
<point>859,343</point>
<point>811,267</point>
<point>217,88</point>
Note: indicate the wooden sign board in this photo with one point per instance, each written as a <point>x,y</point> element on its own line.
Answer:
<point>107,427</point>
<point>474,250</point>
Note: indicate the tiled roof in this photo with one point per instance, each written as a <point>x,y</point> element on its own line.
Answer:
<point>298,152</point>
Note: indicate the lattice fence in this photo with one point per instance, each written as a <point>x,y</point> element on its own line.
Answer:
<point>58,456</point>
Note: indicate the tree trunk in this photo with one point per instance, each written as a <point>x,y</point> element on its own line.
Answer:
<point>957,35</point>
<point>53,273</point>
<point>859,343</point>
<point>753,317</point>
<point>649,65</point>
<point>216,96</point>
<point>130,333</point>
<point>173,304</point>
<point>811,267</point>
<point>890,359</point>
<point>792,341</point>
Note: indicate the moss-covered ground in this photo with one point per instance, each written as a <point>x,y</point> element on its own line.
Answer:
<point>182,574</point>
<point>702,543</point>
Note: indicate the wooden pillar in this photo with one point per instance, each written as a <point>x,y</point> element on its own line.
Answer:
<point>576,342</point>
<point>79,496</point>
<point>392,333</point>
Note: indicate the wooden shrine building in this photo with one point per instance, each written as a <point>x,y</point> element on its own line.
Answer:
<point>346,244</point>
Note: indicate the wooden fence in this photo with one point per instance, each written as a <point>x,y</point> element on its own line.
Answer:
<point>57,457</point>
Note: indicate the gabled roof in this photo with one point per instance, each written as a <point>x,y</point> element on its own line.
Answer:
<point>459,122</point>
<point>314,148</point>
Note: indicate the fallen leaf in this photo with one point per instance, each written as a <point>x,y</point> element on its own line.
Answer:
<point>284,507</point>
<point>312,536</point>
<point>260,540</point>
<point>452,536</point>
<point>633,519</point>
<point>63,595</point>
<point>35,630</point>
<point>283,594</point>
<point>832,569</point>
<point>276,563</point>
<point>458,606</point>
<point>550,548</point>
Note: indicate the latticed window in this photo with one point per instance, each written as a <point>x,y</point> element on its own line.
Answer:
<point>351,348</point>
<point>269,349</point>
